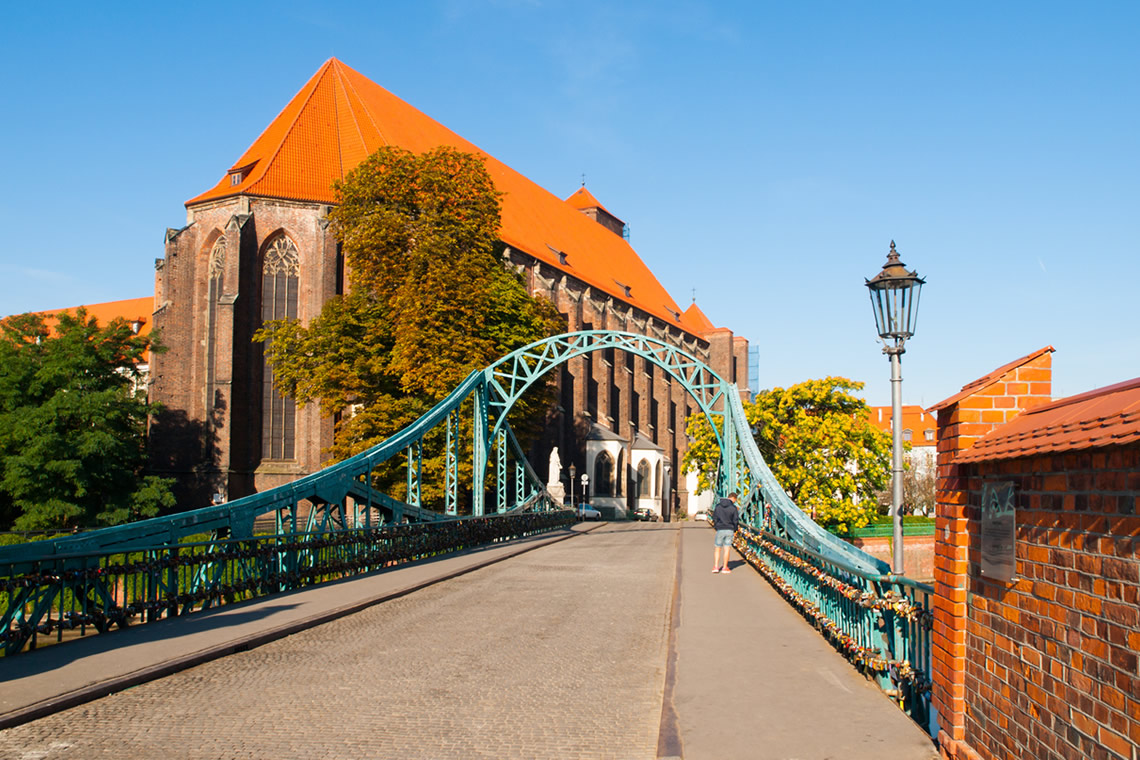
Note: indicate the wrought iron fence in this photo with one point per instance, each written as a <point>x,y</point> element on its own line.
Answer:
<point>61,597</point>
<point>882,623</point>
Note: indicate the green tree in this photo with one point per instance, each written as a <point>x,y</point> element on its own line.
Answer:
<point>73,424</point>
<point>817,439</point>
<point>429,301</point>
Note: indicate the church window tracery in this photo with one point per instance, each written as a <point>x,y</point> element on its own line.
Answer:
<point>603,475</point>
<point>215,269</point>
<point>279,277</point>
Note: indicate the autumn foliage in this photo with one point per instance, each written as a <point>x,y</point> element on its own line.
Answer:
<point>430,300</point>
<point>819,443</point>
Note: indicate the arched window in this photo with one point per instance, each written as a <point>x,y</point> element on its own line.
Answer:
<point>642,485</point>
<point>279,273</point>
<point>907,434</point>
<point>619,474</point>
<point>603,475</point>
<point>215,272</point>
<point>657,482</point>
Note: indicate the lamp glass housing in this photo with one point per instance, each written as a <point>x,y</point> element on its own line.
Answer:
<point>895,294</point>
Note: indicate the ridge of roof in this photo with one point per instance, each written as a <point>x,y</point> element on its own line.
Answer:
<point>988,379</point>
<point>1108,416</point>
<point>1079,398</point>
<point>340,117</point>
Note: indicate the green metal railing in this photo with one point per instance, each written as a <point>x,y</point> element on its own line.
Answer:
<point>62,597</point>
<point>882,623</point>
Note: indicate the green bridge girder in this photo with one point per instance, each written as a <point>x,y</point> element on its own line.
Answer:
<point>341,497</point>
<point>882,621</point>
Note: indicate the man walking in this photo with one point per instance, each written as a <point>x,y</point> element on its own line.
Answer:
<point>725,518</point>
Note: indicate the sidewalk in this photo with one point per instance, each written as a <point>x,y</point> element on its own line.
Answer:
<point>755,680</point>
<point>57,677</point>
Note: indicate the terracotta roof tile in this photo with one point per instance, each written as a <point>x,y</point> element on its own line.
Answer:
<point>1105,417</point>
<point>139,310</point>
<point>989,379</point>
<point>340,117</point>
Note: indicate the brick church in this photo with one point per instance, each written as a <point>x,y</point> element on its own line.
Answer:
<point>257,246</point>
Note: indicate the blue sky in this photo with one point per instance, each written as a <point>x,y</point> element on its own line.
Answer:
<point>763,154</point>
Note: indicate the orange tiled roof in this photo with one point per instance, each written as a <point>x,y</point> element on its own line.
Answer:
<point>132,310</point>
<point>913,418</point>
<point>989,379</point>
<point>697,319</point>
<point>340,117</point>
<point>1105,417</point>
<point>583,198</point>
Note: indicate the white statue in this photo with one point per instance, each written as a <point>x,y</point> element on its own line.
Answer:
<point>555,473</point>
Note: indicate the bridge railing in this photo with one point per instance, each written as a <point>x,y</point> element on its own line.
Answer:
<point>882,623</point>
<point>66,596</point>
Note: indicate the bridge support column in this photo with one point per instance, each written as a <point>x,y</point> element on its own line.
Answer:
<point>480,449</point>
<point>451,476</point>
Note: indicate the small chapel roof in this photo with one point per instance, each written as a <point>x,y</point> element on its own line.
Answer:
<point>697,319</point>
<point>340,117</point>
<point>602,433</point>
<point>641,443</point>
<point>583,198</point>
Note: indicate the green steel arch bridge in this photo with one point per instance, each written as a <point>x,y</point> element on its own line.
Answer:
<point>336,522</point>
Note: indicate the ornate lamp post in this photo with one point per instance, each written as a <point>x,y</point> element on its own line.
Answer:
<point>894,300</point>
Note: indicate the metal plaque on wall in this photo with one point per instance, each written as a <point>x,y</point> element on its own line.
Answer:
<point>999,532</point>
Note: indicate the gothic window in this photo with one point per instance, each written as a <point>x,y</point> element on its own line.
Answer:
<point>215,270</point>
<point>603,475</point>
<point>641,484</point>
<point>619,473</point>
<point>279,273</point>
<point>657,482</point>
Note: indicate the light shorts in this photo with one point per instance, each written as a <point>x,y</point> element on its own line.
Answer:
<point>723,538</point>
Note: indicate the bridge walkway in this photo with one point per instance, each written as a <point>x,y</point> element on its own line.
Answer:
<point>567,651</point>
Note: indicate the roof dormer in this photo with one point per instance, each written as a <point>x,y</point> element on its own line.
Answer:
<point>584,201</point>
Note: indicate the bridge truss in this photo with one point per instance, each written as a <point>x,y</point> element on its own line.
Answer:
<point>881,621</point>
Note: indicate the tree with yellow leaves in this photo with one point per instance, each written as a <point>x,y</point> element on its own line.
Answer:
<point>817,439</point>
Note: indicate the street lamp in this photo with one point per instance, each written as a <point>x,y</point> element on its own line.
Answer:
<point>894,300</point>
<point>572,471</point>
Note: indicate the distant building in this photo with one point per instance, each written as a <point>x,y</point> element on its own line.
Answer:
<point>257,247</point>
<point>919,429</point>
<point>136,312</point>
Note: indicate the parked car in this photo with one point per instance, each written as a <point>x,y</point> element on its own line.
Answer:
<point>702,515</point>
<point>586,512</point>
<point>645,514</point>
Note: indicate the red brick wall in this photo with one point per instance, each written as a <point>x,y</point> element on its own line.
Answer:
<point>959,425</point>
<point>1046,666</point>
<point>1051,659</point>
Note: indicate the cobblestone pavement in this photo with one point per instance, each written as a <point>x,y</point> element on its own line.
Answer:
<point>558,653</point>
